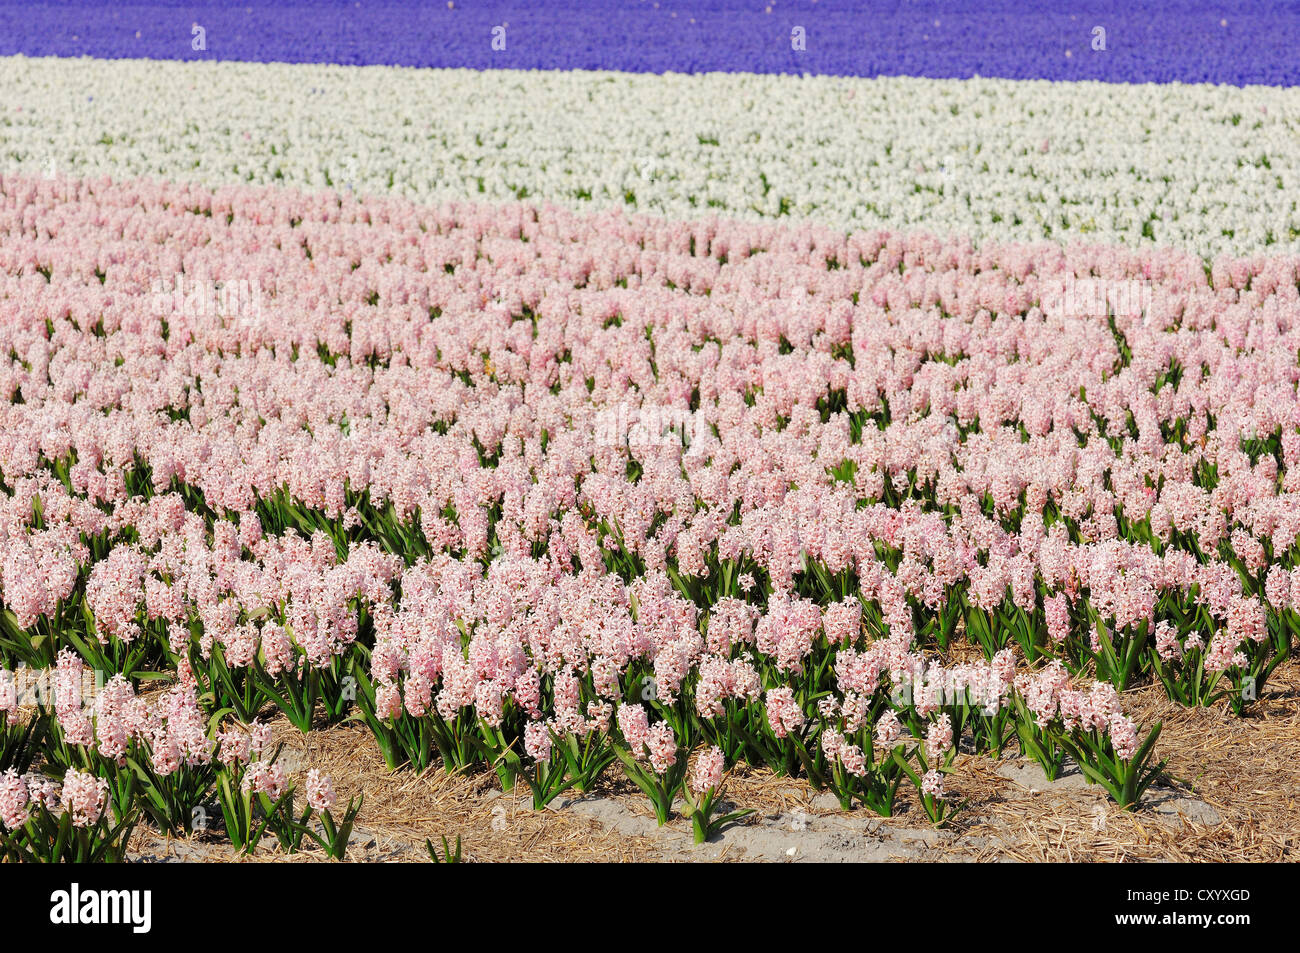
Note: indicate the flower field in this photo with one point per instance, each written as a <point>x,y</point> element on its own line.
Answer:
<point>1210,170</point>
<point>665,434</point>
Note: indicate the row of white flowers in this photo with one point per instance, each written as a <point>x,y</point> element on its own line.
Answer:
<point>1204,168</point>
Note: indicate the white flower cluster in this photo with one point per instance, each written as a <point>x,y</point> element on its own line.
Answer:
<point>1203,168</point>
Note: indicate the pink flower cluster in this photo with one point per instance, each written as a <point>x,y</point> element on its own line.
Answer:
<point>82,796</point>
<point>656,741</point>
<point>707,773</point>
<point>1049,696</point>
<point>171,725</point>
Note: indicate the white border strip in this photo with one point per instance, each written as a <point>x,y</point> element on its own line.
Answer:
<point>1201,168</point>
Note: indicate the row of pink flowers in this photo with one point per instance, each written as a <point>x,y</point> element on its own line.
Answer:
<point>453,361</point>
